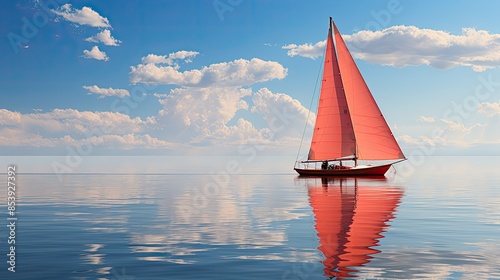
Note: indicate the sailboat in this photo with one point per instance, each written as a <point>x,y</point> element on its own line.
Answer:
<point>349,124</point>
<point>350,220</point>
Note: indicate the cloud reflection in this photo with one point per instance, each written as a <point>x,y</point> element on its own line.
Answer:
<point>264,219</point>
<point>235,217</point>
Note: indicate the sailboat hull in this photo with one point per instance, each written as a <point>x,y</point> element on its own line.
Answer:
<point>378,170</point>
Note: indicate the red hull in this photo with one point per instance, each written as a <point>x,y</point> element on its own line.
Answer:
<point>379,170</point>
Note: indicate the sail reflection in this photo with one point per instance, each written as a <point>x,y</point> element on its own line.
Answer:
<point>350,216</point>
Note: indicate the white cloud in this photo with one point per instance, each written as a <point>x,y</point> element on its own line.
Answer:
<point>153,58</point>
<point>239,72</point>
<point>105,38</point>
<point>489,109</point>
<point>160,95</point>
<point>85,16</point>
<point>306,50</point>
<point>202,116</point>
<point>203,106</point>
<point>284,115</point>
<point>171,58</point>
<point>199,113</point>
<point>95,53</point>
<point>127,141</point>
<point>407,139</point>
<point>459,127</point>
<point>85,121</point>
<point>210,99</point>
<point>73,122</point>
<point>154,74</point>
<point>103,92</point>
<point>9,118</point>
<point>459,134</point>
<point>61,127</point>
<point>422,140</point>
<point>426,119</point>
<point>243,132</point>
<point>491,132</point>
<point>206,111</point>
<point>35,140</point>
<point>409,45</point>
<point>402,46</point>
<point>452,136</point>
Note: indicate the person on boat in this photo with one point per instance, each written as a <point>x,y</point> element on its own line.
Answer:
<point>324,165</point>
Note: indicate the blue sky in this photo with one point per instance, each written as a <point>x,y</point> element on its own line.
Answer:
<point>211,77</point>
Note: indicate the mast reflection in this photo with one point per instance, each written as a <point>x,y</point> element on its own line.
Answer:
<point>350,216</point>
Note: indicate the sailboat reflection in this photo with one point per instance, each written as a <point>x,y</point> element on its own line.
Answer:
<point>350,216</point>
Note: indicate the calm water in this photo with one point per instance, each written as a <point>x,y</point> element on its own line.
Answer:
<point>438,220</point>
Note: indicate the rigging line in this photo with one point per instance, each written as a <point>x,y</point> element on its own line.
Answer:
<point>310,106</point>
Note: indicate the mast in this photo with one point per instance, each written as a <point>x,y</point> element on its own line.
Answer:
<point>334,27</point>
<point>333,135</point>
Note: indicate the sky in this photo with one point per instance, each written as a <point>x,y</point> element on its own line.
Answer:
<point>238,77</point>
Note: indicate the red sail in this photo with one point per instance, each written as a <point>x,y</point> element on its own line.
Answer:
<point>333,135</point>
<point>350,221</point>
<point>374,138</point>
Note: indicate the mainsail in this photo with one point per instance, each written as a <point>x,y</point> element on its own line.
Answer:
<point>333,135</point>
<point>348,121</point>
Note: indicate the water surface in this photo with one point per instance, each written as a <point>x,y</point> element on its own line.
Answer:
<point>437,219</point>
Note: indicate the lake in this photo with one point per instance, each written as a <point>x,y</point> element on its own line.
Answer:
<point>235,218</point>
